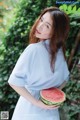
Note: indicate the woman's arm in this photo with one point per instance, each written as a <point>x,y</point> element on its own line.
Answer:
<point>24,92</point>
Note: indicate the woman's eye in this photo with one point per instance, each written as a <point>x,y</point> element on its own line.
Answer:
<point>41,20</point>
<point>47,26</point>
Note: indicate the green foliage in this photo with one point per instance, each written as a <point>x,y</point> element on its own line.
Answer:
<point>70,9</point>
<point>74,15</point>
<point>7,99</point>
<point>6,16</point>
<point>72,106</point>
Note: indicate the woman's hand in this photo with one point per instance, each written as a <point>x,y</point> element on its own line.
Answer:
<point>44,106</point>
<point>23,92</point>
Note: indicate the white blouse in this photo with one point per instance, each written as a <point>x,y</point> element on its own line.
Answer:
<point>33,72</point>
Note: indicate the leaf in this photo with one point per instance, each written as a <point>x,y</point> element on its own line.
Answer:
<point>76,15</point>
<point>63,7</point>
<point>74,9</point>
<point>78,10</point>
<point>69,9</point>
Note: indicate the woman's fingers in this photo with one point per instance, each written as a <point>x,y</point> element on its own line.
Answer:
<point>52,107</point>
<point>42,105</point>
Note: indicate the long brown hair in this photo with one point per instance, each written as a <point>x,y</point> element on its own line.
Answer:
<point>60,30</point>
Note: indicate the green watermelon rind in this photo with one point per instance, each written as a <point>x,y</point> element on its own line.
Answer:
<point>50,103</point>
<point>53,103</point>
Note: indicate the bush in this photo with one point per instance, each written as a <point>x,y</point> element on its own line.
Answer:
<point>71,108</point>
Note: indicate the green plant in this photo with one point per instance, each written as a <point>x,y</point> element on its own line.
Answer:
<point>74,14</point>
<point>71,108</point>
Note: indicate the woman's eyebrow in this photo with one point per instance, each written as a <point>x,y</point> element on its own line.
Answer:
<point>47,22</point>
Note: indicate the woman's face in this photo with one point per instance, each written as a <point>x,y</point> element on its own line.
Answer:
<point>44,27</point>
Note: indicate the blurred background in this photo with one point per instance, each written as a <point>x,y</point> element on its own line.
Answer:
<point>16,19</point>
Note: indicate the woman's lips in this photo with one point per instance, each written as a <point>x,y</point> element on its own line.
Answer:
<point>38,31</point>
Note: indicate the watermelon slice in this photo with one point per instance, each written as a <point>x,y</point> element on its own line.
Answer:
<point>52,96</point>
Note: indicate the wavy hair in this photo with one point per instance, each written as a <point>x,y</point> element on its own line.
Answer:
<point>59,33</point>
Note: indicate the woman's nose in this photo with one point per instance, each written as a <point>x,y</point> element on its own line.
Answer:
<point>41,25</point>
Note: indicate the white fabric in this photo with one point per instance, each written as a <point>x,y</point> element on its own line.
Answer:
<point>33,71</point>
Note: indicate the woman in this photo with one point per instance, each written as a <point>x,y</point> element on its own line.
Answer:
<point>42,65</point>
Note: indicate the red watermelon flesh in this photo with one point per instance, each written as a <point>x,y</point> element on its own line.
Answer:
<point>53,96</point>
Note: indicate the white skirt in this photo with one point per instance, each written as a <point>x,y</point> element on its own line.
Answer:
<point>24,110</point>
